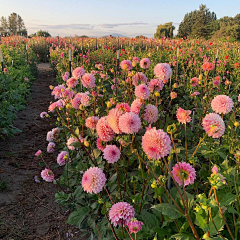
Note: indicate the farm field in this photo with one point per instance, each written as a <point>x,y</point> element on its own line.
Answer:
<point>119,138</point>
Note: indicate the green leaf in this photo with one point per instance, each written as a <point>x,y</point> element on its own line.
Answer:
<point>169,210</point>
<point>222,155</point>
<point>96,152</point>
<point>228,199</point>
<point>76,217</point>
<point>76,144</point>
<point>183,236</point>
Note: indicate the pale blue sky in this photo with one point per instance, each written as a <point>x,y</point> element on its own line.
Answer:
<point>103,17</point>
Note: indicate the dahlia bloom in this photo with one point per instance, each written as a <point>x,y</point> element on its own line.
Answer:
<point>62,157</point>
<point>156,143</point>
<point>150,114</point>
<point>126,65</point>
<point>121,213</point>
<point>104,130</point>
<point>213,125</point>
<point>72,140</point>
<point>50,137</point>
<point>85,100</point>
<point>155,85</point>
<point>88,80</point>
<point>194,81</point>
<point>195,94</point>
<point>135,226</point>
<point>38,153</point>
<point>142,91</point>
<point>53,106</point>
<point>76,102</point>
<point>91,122</point>
<point>68,93</point>
<point>208,66</point>
<point>124,107</point>
<point>100,144</point>
<point>222,104</point>
<point>57,91</point>
<point>78,72</point>
<point>136,106</point>
<point>139,77</point>
<point>113,119</point>
<point>93,180</point>
<point>216,83</point>
<point>43,114</point>
<point>55,132</point>
<point>47,175</point>
<point>145,63</point>
<point>183,115</point>
<point>72,82</point>
<point>111,153</point>
<point>163,71</point>
<point>173,95</point>
<point>188,173</point>
<point>135,59</point>
<point>129,123</point>
<point>51,147</point>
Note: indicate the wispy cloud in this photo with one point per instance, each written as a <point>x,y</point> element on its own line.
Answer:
<point>113,25</point>
<point>67,26</point>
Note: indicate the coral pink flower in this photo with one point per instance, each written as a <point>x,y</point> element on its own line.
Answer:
<point>85,100</point>
<point>138,78</point>
<point>222,104</point>
<point>183,115</point>
<point>38,153</point>
<point>93,180</point>
<point>47,175</point>
<point>136,106</point>
<point>51,147</point>
<point>135,59</point>
<point>121,213</point>
<point>126,65</point>
<point>208,66</point>
<point>155,85</point>
<point>88,80</point>
<point>57,91</point>
<point>43,114</point>
<point>55,105</point>
<point>129,123</point>
<point>113,119</point>
<point>194,81</point>
<point>188,173</point>
<point>150,114</point>
<point>156,143</point>
<point>62,157</point>
<point>100,144</point>
<point>173,95</point>
<point>142,91</point>
<point>195,94</point>
<point>91,122</point>
<point>213,125</point>
<point>104,130</point>
<point>111,153</point>
<point>124,107</point>
<point>76,102</point>
<point>145,63</point>
<point>135,226</point>
<point>163,71</point>
<point>68,93</point>
<point>78,72</point>
<point>72,82</point>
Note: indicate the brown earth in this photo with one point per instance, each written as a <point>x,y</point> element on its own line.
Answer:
<point>27,208</point>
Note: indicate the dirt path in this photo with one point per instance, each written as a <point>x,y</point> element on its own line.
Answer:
<point>27,208</point>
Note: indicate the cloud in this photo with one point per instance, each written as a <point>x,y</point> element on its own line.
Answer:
<point>113,25</point>
<point>66,26</point>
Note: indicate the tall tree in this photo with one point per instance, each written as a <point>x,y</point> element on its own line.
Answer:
<point>164,30</point>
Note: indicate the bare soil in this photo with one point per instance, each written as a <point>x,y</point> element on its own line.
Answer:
<point>27,208</point>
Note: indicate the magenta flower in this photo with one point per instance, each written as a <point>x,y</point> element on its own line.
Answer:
<point>62,157</point>
<point>135,226</point>
<point>38,153</point>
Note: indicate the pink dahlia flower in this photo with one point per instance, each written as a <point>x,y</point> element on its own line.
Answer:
<point>136,106</point>
<point>129,123</point>
<point>38,153</point>
<point>43,114</point>
<point>85,100</point>
<point>72,82</point>
<point>72,140</point>
<point>124,107</point>
<point>100,144</point>
<point>222,104</point>
<point>68,93</point>
<point>62,157</point>
<point>78,72</point>
<point>55,132</point>
<point>135,59</point>
<point>208,66</point>
<point>155,85</point>
<point>142,91</point>
<point>163,71</point>
<point>156,143</point>
<point>93,180</point>
<point>111,153</point>
<point>113,119</point>
<point>126,65</point>
<point>195,94</point>
<point>76,102</point>
<point>139,77</point>
<point>104,130</point>
<point>194,81</point>
<point>135,226</point>
<point>183,115</point>
<point>121,213</point>
<point>47,175</point>
<point>151,114</point>
<point>51,147</point>
<point>213,125</point>
<point>188,173</point>
<point>145,63</point>
<point>55,105</point>
<point>88,80</point>
<point>50,137</point>
<point>173,95</point>
<point>57,91</point>
<point>91,122</point>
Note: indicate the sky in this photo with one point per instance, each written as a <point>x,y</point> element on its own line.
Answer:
<point>97,18</point>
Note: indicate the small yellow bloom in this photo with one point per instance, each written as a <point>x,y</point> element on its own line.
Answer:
<point>109,104</point>
<point>68,106</point>
<point>236,124</point>
<point>157,94</point>
<point>200,77</point>
<point>86,143</point>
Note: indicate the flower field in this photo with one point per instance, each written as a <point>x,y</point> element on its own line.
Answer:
<point>146,133</point>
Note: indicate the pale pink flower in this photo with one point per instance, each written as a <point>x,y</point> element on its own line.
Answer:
<point>195,94</point>
<point>104,130</point>
<point>142,91</point>
<point>129,123</point>
<point>150,114</point>
<point>111,153</point>
<point>43,114</point>
<point>173,95</point>
<point>124,107</point>
<point>139,77</point>
<point>135,226</point>
<point>38,153</point>
<point>222,104</point>
<point>72,140</point>
<point>126,65</point>
<point>136,106</point>
<point>135,59</point>
<point>145,63</point>
<point>156,143</point>
<point>213,125</point>
<point>88,80</point>
<point>26,79</point>
<point>55,105</point>
<point>57,91</point>
<point>121,213</point>
<point>163,71</point>
<point>78,72</point>
<point>85,100</point>
<point>194,81</point>
<point>183,115</point>
<point>76,102</point>
<point>62,157</point>
<point>72,82</point>
<point>50,136</point>
<point>51,147</point>
<point>47,175</point>
<point>55,132</point>
<point>91,122</point>
<point>100,144</point>
<point>113,119</point>
<point>155,85</point>
<point>93,180</point>
<point>68,93</point>
<point>188,173</point>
